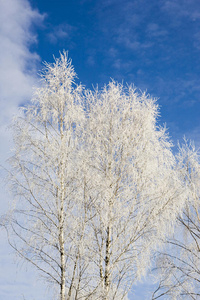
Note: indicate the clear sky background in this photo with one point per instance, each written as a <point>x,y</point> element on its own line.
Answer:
<point>154,44</point>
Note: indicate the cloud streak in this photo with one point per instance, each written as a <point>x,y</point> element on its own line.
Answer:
<point>18,63</point>
<point>61,32</point>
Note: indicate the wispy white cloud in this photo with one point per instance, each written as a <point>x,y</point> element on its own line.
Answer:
<point>142,26</point>
<point>154,30</point>
<point>18,63</point>
<point>197,40</point>
<point>61,32</point>
<point>90,60</point>
<point>181,9</point>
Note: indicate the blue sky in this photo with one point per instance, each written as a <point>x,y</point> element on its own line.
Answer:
<point>153,44</point>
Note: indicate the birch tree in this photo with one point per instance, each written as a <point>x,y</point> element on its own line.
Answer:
<point>44,177</point>
<point>96,183</point>
<point>133,184</point>
<point>178,265</point>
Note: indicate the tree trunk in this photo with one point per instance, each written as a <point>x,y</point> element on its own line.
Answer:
<point>62,258</point>
<point>61,217</point>
<point>107,264</point>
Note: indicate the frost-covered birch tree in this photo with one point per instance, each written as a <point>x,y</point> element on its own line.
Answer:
<point>178,266</point>
<point>96,185</point>
<point>133,185</point>
<point>44,177</point>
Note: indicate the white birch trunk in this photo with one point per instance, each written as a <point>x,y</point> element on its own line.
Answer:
<point>61,220</point>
